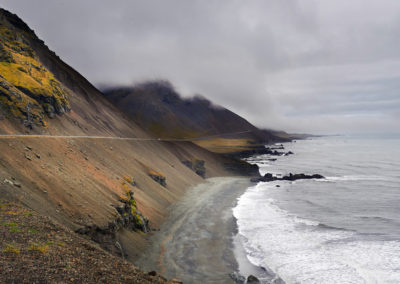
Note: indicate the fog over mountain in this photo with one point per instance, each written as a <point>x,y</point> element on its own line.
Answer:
<point>306,66</point>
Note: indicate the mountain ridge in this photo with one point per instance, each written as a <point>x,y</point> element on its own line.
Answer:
<point>157,107</point>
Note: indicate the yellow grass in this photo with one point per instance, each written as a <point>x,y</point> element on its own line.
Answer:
<point>11,248</point>
<point>26,72</point>
<point>128,179</point>
<point>38,247</point>
<point>155,173</point>
<point>225,145</point>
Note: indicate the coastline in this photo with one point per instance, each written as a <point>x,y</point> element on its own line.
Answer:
<point>196,242</point>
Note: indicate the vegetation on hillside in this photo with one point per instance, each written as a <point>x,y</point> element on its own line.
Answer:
<point>28,90</point>
<point>226,145</point>
<point>34,249</point>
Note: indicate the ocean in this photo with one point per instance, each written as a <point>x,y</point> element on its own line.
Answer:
<point>342,229</point>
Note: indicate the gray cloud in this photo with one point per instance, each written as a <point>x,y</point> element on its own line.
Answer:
<point>304,66</point>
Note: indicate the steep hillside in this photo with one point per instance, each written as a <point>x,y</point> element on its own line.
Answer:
<point>42,94</point>
<point>113,191</point>
<point>158,108</point>
<point>35,249</point>
<point>28,90</point>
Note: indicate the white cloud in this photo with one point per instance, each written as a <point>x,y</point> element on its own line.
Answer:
<point>302,66</point>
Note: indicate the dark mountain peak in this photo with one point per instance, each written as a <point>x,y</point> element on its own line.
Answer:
<point>157,107</point>
<point>160,86</point>
<point>201,100</point>
<point>162,90</point>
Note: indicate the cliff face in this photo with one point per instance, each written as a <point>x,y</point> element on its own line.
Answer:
<point>158,108</point>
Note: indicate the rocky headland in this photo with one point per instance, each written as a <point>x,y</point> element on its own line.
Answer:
<point>290,177</point>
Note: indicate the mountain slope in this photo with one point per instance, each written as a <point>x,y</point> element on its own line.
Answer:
<point>38,250</point>
<point>39,89</point>
<point>158,108</point>
<point>85,183</point>
<point>28,90</point>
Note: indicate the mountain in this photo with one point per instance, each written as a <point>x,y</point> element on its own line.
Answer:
<point>82,161</point>
<point>157,107</point>
<point>44,93</point>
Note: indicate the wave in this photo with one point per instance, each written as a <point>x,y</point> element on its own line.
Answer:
<point>356,178</point>
<point>358,248</point>
<point>378,218</point>
<point>329,227</point>
<point>306,251</point>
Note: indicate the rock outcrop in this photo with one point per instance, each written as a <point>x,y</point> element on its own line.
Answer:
<point>129,217</point>
<point>291,177</point>
<point>252,280</point>
<point>158,177</point>
<point>197,165</point>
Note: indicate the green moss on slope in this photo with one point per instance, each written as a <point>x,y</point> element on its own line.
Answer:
<point>28,90</point>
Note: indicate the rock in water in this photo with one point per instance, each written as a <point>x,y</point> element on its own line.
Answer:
<point>291,177</point>
<point>252,280</point>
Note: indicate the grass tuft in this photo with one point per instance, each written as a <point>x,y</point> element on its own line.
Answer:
<point>12,213</point>
<point>11,248</point>
<point>15,230</point>
<point>38,247</point>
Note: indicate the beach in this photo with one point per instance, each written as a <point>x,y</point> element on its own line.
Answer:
<point>195,244</point>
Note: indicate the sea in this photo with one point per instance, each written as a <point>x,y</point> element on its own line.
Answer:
<point>341,229</point>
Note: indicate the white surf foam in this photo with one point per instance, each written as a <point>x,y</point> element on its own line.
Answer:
<point>357,178</point>
<point>300,251</point>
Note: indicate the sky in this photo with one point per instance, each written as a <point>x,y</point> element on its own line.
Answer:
<point>322,67</point>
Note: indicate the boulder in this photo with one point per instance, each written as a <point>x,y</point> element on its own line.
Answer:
<point>251,279</point>
<point>158,177</point>
<point>7,181</point>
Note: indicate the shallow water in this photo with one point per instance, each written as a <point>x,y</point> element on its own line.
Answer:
<point>344,229</point>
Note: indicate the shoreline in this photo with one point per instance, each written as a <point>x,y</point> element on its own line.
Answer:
<point>196,244</point>
<point>246,268</point>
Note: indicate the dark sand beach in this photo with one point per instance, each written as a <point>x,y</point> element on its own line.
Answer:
<point>195,244</point>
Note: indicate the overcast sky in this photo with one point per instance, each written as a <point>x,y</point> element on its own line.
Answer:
<point>304,66</point>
